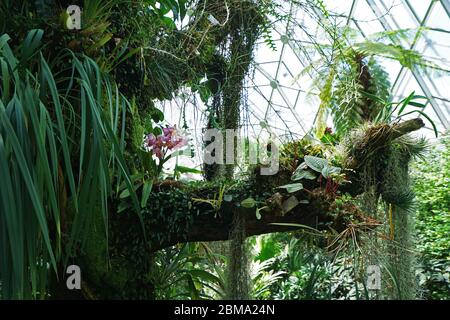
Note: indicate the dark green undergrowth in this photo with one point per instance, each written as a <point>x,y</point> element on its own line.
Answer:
<point>432,187</point>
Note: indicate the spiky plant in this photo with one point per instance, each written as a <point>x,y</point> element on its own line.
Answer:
<point>59,156</point>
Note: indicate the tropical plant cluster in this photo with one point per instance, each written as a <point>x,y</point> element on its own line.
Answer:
<point>91,174</point>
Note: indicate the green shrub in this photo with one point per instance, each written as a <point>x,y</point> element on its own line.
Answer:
<point>432,187</point>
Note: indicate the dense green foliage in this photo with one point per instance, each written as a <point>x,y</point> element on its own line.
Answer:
<point>432,188</point>
<point>40,131</point>
<point>66,135</point>
<point>79,185</point>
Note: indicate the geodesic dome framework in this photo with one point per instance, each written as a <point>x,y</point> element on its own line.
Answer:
<point>275,95</point>
<point>279,100</point>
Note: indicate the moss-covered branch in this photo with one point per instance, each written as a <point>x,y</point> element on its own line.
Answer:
<point>204,211</point>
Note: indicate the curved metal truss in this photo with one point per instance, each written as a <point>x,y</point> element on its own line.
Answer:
<point>277,99</point>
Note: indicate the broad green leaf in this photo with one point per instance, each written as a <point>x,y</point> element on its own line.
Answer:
<point>327,171</point>
<point>248,203</point>
<point>303,174</point>
<point>292,187</point>
<point>315,163</point>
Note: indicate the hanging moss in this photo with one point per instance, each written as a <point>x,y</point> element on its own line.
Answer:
<point>385,182</point>
<point>241,26</point>
<point>396,192</point>
<point>238,277</point>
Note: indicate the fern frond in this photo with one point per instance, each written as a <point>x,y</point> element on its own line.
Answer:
<point>397,36</point>
<point>407,57</point>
